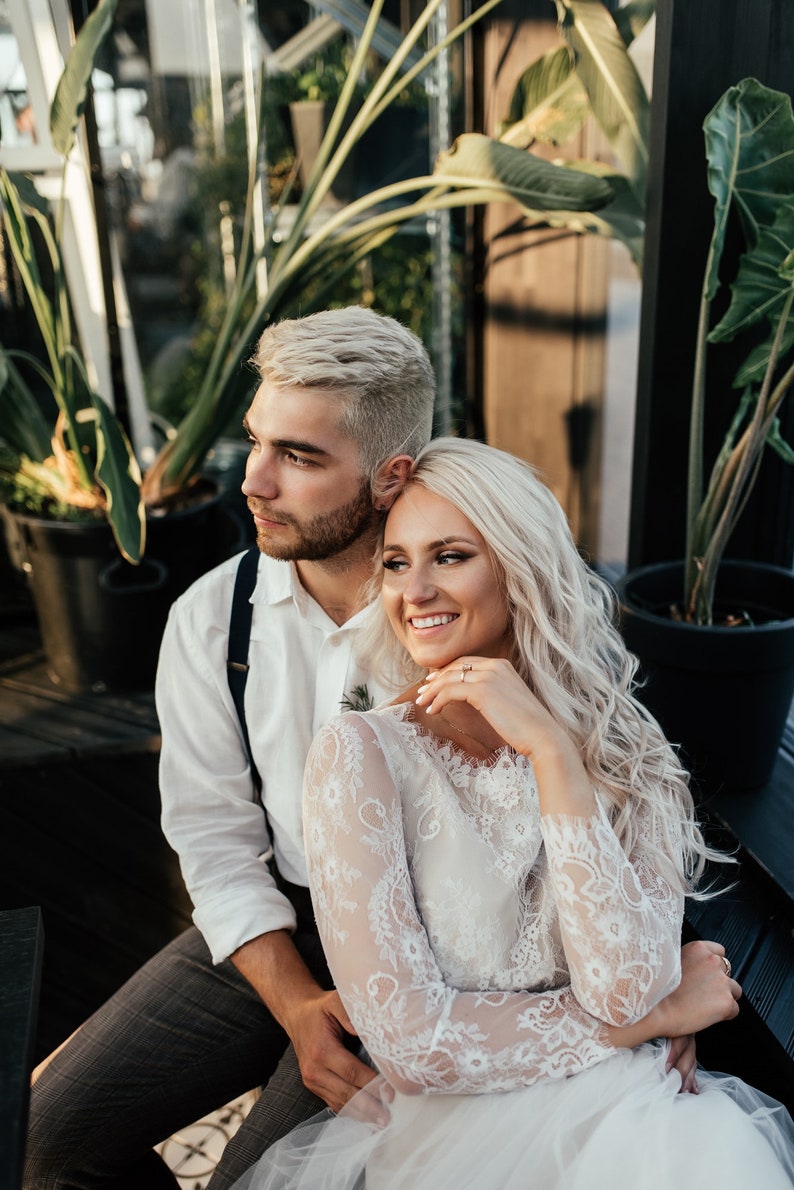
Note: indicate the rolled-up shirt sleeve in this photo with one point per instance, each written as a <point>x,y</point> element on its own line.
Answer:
<point>211,814</point>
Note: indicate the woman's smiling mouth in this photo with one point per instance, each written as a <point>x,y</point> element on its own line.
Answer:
<point>432,621</point>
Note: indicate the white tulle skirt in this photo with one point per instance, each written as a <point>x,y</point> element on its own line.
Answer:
<point>620,1125</point>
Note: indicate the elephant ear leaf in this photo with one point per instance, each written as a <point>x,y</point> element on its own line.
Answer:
<point>778,443</point>
<point>72,90</point>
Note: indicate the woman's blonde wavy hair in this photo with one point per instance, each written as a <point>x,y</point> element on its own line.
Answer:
<point>567,648</point>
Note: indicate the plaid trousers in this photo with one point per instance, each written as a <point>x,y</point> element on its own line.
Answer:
<point>180,1039</point>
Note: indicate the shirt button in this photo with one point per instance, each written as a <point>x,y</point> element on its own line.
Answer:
<point>335,641</point>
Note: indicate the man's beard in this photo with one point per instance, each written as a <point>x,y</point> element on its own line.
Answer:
<point>323,536</point>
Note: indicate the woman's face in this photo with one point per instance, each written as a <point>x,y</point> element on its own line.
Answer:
<point>439,589</point>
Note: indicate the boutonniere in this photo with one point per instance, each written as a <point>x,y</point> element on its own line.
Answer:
<point>359,699</point>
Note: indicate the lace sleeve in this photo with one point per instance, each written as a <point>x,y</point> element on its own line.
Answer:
<point>423,1034</point>
<point>620,920</point>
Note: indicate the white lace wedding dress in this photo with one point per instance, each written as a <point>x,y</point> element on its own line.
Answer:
<point>442,895</point>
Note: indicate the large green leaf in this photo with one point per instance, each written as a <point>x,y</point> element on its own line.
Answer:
<point>759,292</point>
<point>614,88</point>
<point>530,181</point>
<point>119,476</point>
<point>72,90</point>
<point>22,424</point>
<point>750,152</point>
<point>623,218</point>
<point>778,443</point>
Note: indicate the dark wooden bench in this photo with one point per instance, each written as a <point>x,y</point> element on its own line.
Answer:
<point>755,922</point>
<point>21,942</point>
<point>80,833</point>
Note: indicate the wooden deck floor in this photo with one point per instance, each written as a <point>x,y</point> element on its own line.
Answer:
<point>80,836</point>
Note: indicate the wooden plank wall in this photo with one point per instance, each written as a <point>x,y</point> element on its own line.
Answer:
<point>543,305</point>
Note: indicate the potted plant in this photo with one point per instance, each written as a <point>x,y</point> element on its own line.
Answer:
<point>716,637</point>
<point>71,485</point>
<point>315,91</point>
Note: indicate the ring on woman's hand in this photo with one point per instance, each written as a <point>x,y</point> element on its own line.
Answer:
<point>726,964</point>
<point>464,669</point>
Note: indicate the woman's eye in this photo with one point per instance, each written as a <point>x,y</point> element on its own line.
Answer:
<point>393,563</point>
<point>449,556</point>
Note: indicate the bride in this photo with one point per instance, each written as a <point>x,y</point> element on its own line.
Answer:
<point>498,863</point>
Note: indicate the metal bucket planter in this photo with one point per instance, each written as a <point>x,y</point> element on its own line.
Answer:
<point>723,694</point>
<point>102,619</point>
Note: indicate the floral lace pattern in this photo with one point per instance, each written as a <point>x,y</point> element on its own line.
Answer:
<point>477,944</point>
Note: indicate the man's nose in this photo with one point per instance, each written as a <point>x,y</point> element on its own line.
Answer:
<point>259,477</point>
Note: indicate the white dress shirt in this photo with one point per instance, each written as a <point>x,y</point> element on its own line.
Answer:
<point>301,667</point>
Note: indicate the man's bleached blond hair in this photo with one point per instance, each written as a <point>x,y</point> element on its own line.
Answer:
<point>376,369</point>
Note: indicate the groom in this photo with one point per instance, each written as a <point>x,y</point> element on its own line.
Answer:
<point>211,1015</point>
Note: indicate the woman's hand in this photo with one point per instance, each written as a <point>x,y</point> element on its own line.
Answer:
<point>705,996</point>
<point>491,687</point>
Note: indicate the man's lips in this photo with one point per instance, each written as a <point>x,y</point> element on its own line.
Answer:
<point>263,516</point>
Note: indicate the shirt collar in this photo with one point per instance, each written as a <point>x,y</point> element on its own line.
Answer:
<point>278,582</point>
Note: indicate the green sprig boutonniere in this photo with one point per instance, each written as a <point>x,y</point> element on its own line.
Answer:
<point>359,699</point>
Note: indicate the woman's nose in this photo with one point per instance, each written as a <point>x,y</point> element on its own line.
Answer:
<point>419,588</point>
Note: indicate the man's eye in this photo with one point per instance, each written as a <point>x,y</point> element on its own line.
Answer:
<point>299,459</point>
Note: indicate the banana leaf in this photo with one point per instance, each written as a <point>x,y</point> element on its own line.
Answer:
<point>71,93</point>
<point>548,105</point>
<point>511,174</point>
<point>617,96</point>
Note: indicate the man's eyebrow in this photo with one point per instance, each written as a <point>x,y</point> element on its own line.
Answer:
<point>306,448</point>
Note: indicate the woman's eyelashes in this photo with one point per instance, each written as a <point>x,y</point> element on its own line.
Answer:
<point>444,558</point>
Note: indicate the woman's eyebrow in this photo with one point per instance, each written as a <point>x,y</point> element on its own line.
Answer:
<point>435,545</point>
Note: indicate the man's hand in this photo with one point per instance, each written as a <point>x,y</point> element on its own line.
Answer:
<point>315,1020</point>
<point>328,1067</point>
<point>683,1058</point>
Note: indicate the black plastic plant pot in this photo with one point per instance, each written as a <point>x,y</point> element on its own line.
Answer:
<point>101,618</point>
<point>722,693</point>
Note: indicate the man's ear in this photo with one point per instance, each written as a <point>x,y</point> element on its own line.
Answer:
<point>389,481</point>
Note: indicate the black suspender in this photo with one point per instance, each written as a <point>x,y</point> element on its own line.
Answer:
<point>239,636</point>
